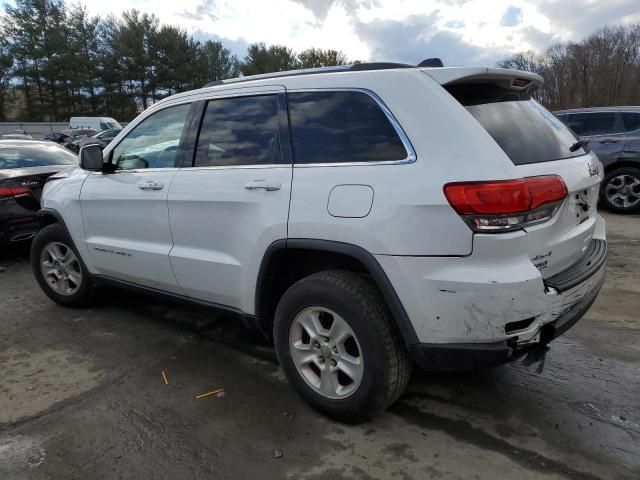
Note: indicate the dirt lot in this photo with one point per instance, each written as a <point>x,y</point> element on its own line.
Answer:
<point>81,396</point>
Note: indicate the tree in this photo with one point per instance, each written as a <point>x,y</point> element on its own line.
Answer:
<point>275,58</point>
<point>603,69</point>
<point>128,48</point>
<point>215,62</point>
<point>82,60</point>
<point>6,66</point>
<point>316,57</point>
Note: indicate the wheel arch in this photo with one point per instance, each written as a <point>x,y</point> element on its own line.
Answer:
<point>309,256</point>
<point>626,163</point>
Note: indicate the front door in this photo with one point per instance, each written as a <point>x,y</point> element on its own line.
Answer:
<point>233,202</point>
<point>125,214</point>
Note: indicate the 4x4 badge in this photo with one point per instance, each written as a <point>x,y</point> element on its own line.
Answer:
<point>594,170</point>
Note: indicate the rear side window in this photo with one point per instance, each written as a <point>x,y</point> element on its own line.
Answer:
<point>239,131</point>
<point>631,121</point>
<point>576,122</point>
<point>595,123</point>
<point>340,127</point>
<point>524,129</point>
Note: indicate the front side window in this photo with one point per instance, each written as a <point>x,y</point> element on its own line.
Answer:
<point>631,121</point>
<point>340,127</point>
<point>154,142</point>
<point>239,131</point>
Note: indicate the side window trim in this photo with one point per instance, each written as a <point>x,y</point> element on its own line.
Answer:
<point>180,153</point>
<point>191,135</point>
<point>411,153</point>
<point>284,130</point>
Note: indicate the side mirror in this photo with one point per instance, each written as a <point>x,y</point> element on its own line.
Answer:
<point>91,158</point>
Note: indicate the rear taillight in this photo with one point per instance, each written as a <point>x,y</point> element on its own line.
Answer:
<point>497,206</point>
<point>6,192</point>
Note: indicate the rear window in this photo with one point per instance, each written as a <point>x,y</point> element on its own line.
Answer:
<point>32,156</point>
<point>340,127</point>
<point>524,129</point>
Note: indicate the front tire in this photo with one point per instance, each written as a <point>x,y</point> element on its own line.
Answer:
<point>339,347</point>
<point>620,190</point>
<point>59,269</point>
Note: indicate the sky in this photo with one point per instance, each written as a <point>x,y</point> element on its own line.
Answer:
<point>461,32</point>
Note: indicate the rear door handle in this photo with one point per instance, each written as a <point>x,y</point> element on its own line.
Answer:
<point>150,185</point>
<point>263,185</point>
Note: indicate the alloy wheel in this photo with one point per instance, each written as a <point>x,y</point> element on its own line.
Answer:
<point>623,191</point>
<point>60,268</point>
<point>326,352</point>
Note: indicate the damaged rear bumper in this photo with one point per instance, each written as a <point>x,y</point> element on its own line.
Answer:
<point>471,356</point>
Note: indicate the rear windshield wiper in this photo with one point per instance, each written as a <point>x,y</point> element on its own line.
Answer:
<point>583,142</point>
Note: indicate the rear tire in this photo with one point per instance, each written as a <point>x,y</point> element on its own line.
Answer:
<point>338,320</point>
<point>58,268</point>
<point>621,186</point>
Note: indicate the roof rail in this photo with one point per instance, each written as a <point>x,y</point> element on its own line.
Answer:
<point>356,67</point>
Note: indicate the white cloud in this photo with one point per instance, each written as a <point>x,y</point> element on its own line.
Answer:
<point>460,31</point>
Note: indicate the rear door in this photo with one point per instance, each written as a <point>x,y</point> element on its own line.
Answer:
<point>538,143</point>
<point>631,149</point>
<point>125,214</point>
<point>231,201</point>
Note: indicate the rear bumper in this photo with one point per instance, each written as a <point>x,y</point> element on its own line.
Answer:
<point>468,356</point>
<point>16,222</point>
<point>18,232</point>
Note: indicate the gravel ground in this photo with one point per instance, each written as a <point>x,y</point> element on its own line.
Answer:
<point>82,396</point>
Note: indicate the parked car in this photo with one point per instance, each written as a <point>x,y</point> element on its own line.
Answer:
<point>74,135</point>
<point>24,169</point>
<point>385,215</point>
<point>67,136</point>
<point>101,138</point>
<point>614,135</point>
<point>57,137</point>
<point>16,135</point>
<point>95,123</point>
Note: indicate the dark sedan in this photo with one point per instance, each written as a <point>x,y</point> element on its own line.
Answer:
<point>25,166</point>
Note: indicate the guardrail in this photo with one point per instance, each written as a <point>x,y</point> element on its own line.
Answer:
<point>36,129</point>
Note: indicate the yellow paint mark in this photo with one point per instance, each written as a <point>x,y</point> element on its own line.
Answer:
<point>207,394</point>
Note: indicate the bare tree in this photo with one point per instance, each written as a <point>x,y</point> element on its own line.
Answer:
<point>603,69</point>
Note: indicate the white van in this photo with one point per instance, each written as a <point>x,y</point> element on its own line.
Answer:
<point>97,123</point>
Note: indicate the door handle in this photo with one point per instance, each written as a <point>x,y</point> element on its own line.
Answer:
<point>263,185</point>
<point>609,141</point>
<point>150,185</point>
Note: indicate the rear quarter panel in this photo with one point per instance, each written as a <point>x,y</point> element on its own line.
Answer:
<point>410,214</point>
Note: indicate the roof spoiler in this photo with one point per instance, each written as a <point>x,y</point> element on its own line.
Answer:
<point>431,62</point>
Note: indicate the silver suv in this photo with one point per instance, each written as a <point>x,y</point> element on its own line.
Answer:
<point>368,217</point>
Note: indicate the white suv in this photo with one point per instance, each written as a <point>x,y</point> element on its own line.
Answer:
<point>369,216</point>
